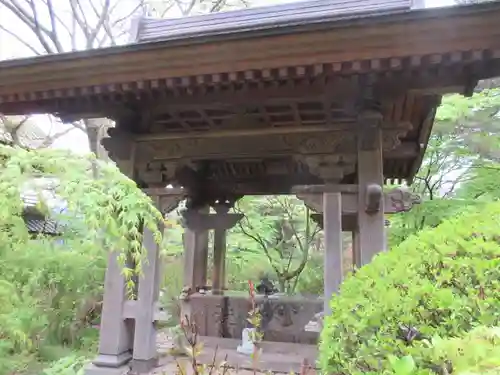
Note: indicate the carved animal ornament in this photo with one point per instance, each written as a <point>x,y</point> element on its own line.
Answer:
<point>373,202</point>
<point>402,200</point>
<point>397,200</point>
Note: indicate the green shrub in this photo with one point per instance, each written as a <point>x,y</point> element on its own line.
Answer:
<point>70,365</point>
<point>444,282</point>
<point>476,353</point>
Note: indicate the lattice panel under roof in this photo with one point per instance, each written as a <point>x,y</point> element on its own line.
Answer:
<point>277,166</point>
<point>306,113</point>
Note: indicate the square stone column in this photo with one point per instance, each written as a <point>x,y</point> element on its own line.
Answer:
<point>116,332</point>
<point>145,355</point>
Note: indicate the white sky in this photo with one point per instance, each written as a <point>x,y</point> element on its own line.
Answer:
<point>77,140</point>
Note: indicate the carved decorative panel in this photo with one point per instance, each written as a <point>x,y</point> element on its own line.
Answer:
<point>245,146</point>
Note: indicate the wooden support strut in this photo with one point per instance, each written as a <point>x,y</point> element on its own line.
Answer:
<point>333,273</point>
<point>219,268</point>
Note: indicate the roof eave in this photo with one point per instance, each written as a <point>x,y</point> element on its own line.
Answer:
<point>309,25</point>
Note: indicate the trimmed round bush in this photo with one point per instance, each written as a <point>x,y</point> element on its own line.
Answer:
<point>442,283</point>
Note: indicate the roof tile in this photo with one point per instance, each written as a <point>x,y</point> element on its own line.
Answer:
<point>268,17</point>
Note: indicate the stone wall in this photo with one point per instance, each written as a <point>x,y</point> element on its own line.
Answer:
<point>284,317</point>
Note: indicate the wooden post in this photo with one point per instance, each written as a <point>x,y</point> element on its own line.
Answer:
<point>356,256</point>
<point>370,173</point>
<point>218,277</point>
<point>219,269</point>
<point>195,256</point>
<point>198,222</point>
<point>332,220</point>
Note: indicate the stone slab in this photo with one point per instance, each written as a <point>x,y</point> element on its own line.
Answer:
<point>98,370</point>
<point>143,366</point>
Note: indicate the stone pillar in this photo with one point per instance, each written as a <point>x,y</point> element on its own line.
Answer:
<point>332,227</point>
<point>145,356</point>
<point>116,333</point>
<point>370,196</point>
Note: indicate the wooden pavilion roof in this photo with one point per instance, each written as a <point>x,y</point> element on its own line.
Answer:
<point>266,18</point>
<point>262,97</point>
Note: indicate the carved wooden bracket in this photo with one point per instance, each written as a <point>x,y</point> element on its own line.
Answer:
<point>373,198</point>
<point>165,199</point>
<point>312,201</point>
<point>168,204</point>
<point>329,168</point>
<point>397,200</point>
<point>391,138</point>
<point>201,222</point>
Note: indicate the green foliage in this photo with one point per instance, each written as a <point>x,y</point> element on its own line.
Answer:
<point>428,214</point>
<point>278,227</point>
<point>476,353</point>
<point>483,183</point>
<point>402,366</point>
<point>70,365</point>
<point>50,289</point>
<point>443,281</point>
<point>460,163</point>
<point>311,281</point>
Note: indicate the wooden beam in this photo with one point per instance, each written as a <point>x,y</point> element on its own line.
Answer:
<point>165,192</point>
<point>318,190</point>
<point>260,145</point>
<point>217,134</point>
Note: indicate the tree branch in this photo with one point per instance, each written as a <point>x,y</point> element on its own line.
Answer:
<point>30,47</point>
<point>53,23</point>
<point>29,20</point>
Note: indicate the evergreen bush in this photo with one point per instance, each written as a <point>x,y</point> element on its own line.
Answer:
<point>442,282</point>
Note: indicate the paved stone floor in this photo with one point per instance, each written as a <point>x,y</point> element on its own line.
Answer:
<point>272,358</point>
